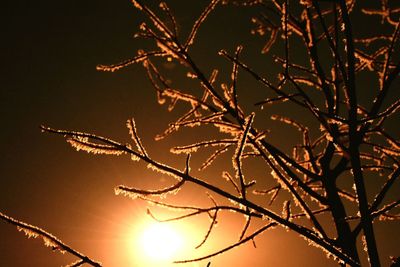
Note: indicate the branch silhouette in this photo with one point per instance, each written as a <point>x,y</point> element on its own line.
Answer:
<point>342,137</point>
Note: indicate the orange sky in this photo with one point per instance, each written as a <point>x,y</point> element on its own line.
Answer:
<point>49,53</point>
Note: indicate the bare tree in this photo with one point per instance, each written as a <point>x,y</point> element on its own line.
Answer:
<point>342,141</point>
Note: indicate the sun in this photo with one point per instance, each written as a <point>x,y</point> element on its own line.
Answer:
<point>161,242</point>
<point>158,244</point>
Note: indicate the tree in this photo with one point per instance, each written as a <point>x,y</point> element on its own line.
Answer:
<point>327,188</point>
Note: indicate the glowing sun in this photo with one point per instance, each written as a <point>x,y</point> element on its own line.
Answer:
<point>160,242</point>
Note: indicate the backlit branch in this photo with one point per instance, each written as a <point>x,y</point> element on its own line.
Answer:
<point>49,240</point>
<point>318,83</point>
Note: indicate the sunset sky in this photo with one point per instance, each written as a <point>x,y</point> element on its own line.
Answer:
<point>49,53</point>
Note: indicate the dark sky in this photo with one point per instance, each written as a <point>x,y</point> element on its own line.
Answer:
<point>49,51</point>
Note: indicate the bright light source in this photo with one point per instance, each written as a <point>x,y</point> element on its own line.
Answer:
<point>155,244</point>
<point>160,242</point>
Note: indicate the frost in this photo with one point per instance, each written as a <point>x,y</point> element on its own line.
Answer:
<point>307,3</point>
<point>168,49</point>
<point>27,232</point>
<point>191,75</point>
<point>132,195</point>
<point>83,143</point>
<point>159,169</point>
<point>134,157</point>
<point>135,137</point>
<point>199,21</point>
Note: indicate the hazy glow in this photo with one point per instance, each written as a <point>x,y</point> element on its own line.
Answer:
<point>160,242</point>
<point>154,244</point>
